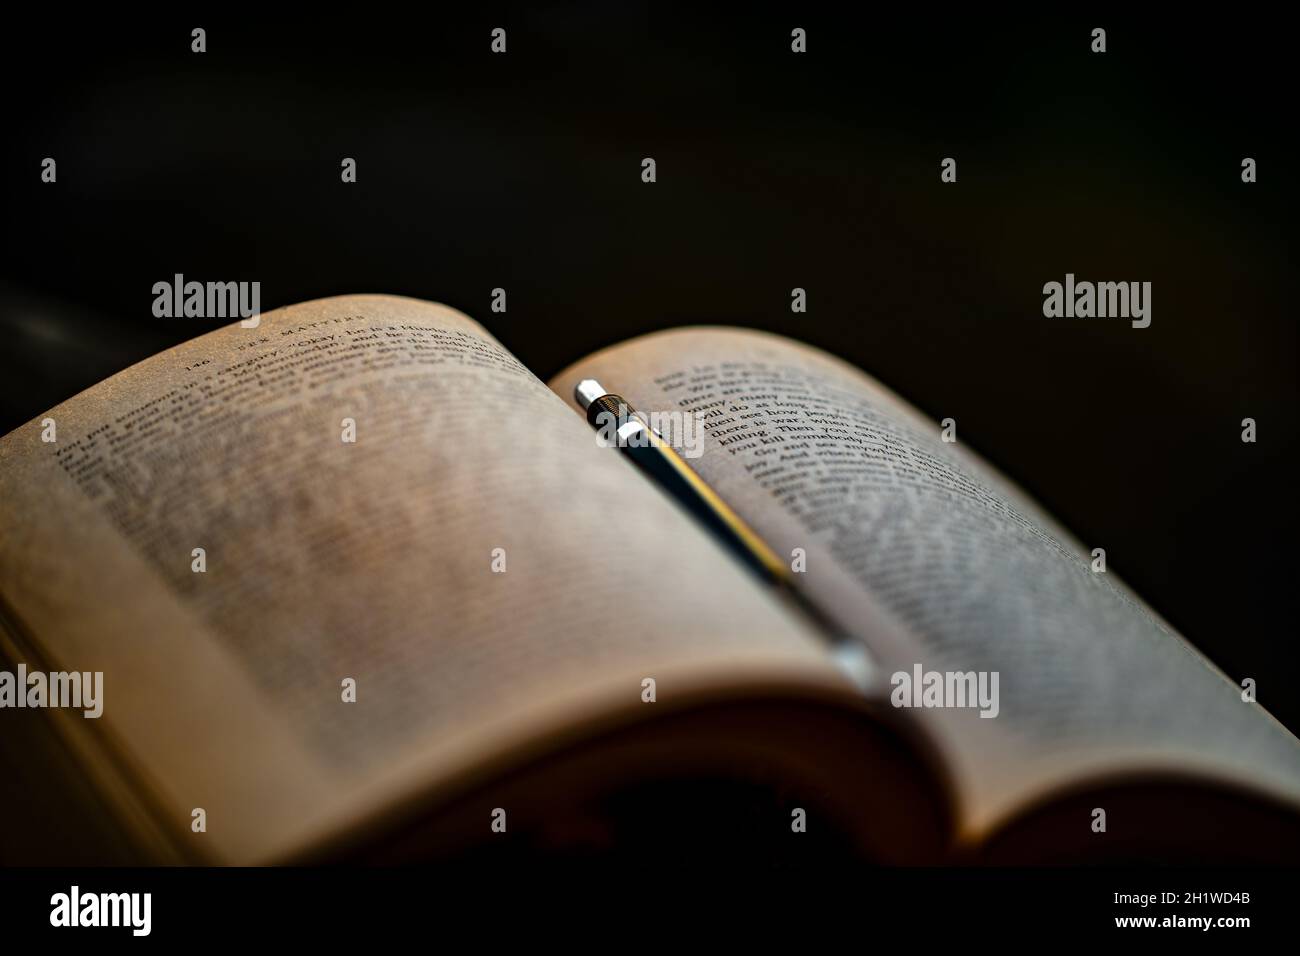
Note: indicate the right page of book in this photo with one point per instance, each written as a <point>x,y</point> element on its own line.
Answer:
<point>917,547</point>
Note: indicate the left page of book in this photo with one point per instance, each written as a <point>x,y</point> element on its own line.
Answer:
<point>355,553</point>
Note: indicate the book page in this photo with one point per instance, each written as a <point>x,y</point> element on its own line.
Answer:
<point>921,550</point>
<point>349,554</point>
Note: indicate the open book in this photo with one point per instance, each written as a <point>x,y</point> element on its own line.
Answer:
<point>360,586</point>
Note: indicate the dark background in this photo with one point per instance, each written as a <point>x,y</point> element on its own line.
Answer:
<point>775,170</point>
